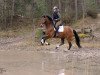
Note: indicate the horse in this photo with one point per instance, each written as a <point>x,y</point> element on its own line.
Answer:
<point>68,33</point>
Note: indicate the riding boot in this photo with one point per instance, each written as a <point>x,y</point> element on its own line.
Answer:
<point>56,32</point>
<point>54,29</point>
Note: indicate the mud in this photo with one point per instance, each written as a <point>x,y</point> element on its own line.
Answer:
<point>19,56</point>
<point>18,59</point>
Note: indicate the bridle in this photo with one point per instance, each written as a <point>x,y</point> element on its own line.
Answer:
<point>43,21</point>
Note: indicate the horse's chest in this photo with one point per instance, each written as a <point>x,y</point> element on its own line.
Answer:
<point>50,32</point>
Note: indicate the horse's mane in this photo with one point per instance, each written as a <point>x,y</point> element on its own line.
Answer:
<point>49,18</point>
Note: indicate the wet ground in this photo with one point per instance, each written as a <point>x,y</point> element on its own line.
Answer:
<point>18,59</point>
<point>19,56</point>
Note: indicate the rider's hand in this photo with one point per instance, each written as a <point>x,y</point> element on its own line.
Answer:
<point>56,19</point>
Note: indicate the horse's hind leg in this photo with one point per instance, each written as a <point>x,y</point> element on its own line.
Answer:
<point>70,45</point>
<point>62,42</point>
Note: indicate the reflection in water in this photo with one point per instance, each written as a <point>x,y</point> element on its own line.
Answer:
<point>60,63</point>
<point>2,70</point>
<point>62,72</point>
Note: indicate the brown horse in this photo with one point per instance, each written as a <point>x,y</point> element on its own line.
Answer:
<point>67,33</point>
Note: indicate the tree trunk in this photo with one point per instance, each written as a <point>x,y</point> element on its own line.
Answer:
<point>5,12</point>
<point>59,5</point>
<point>83,9</point>
<point>76,10</point>
<point>12,11</point>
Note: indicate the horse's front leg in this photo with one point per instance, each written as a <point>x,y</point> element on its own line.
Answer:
<point>43,40</point>
<point>62,42</point>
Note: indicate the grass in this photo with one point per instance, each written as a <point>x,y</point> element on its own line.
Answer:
<point>91,45</point>
<point>26,31</point>
<point>38,33</point>
<point>83,35</point>
<point>11,32</point>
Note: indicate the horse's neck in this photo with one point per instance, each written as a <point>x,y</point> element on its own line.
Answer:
<point>49,26</point>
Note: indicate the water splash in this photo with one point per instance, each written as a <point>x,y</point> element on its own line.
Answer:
<point>61,72</point>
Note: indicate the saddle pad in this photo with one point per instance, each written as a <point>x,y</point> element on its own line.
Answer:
<point>61,29</point>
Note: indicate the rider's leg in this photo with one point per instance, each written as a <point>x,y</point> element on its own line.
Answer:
<point>57,31</point>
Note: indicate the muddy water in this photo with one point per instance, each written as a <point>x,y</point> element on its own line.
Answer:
<point>84,62</point>
<point>73,63</point>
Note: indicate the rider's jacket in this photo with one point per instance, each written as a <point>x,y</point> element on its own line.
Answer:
<point>56,16</point>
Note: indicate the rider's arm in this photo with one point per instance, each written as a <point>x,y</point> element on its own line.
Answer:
<point>58,16</point>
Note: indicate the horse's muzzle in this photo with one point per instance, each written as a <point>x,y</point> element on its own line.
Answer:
<point>41,25</point>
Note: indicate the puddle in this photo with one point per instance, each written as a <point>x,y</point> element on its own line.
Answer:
<point>49,63</point>
<point>69,64</point>
<point>2,70</point>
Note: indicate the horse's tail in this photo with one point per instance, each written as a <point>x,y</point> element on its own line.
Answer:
<point>77,38</point>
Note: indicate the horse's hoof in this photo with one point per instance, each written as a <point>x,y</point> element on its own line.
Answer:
<point>42,44</point>
<point>47,43</point>
<point>80,47</point>
<point>68,49</point>
<point>57,47</point>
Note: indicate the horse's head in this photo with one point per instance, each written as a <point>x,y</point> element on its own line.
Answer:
<point>45,20</point>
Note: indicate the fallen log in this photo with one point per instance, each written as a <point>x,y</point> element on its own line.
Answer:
<point>78,30</point>
<point>85,30</point>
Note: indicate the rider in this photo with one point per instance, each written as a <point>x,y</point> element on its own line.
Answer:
<point>56,17</point>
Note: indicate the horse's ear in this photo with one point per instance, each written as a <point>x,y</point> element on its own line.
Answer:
<point>44,16</point>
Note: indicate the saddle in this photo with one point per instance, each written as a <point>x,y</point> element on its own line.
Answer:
<point>58,25</point>
<point>58,28</point>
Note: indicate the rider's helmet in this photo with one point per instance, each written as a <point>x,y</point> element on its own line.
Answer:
<point>55,9</point>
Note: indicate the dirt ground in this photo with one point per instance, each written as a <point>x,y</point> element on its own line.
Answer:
<point>19,56</point>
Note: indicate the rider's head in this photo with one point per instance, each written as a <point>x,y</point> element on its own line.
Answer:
<point>55,9</point>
